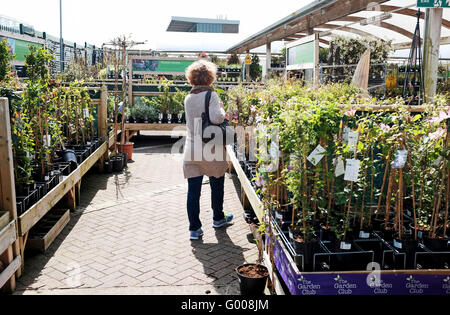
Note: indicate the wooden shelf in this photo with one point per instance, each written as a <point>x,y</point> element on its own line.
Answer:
<point>246,185</point>
<point>4,219</point>
<point>155,127</point>
<point>27,220</point>
<point>7,236</point>
<point>9,271</point>
<point>42,243</point>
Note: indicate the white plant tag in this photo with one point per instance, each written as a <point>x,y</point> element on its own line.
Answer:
<point>420,234</point>
<point>46,178</point>
<point>397,244</point>
<point>352,170</point>
<point>340,167</point>
<point>291,235</point>
<point>363,234</point>
<point>353,141</point>
<point>346,246</point>
<point>345,135</point>
<point>278,216</point>
<point>400,159</point>
<point>317,155</point>
<point>86,112</point>
<point>437,162</point>
<point>47,141</point>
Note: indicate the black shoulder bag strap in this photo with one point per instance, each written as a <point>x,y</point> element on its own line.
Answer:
<point>207,102</point>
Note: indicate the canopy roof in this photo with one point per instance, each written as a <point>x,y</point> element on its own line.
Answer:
<point>393,20</point>
<point>187,24</point>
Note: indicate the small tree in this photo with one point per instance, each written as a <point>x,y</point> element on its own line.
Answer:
<point>255,71</point>
<point>233,60</point>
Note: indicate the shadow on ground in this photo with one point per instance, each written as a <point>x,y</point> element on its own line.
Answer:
<point>92,184</point>
<point>223,271</point>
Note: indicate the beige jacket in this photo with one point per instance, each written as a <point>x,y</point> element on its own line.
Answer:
<point>203,159</point>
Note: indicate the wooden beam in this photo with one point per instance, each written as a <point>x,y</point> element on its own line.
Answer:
<point>340,8</point>
<point>348,30</point>
<point>409,12</point>
<point>103,122</point>
<point>407,45</point>
<point>382,24</point>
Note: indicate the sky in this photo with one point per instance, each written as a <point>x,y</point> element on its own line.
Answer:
<point>99,21</point>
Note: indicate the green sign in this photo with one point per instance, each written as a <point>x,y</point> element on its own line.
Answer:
<point>433,3</point>
<point>19,47</point>
<point>160,66</point>
<point>301,56</point>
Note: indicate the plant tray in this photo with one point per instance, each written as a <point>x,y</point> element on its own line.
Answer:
<point>45,232</point>
<point>378,282</point>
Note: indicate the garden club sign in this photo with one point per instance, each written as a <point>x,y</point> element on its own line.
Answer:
<point>433,3</point>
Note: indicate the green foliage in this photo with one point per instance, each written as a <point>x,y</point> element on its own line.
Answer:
<point>305,118</point>
<point>255,70</point>
<point>233,60</point>
<point>5,59</point>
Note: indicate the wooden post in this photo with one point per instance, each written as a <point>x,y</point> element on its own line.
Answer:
<point>268,59</point>
<point>432,39</point>
<point>130,82</point>
<point>247,69</point>
<point>316,61</point>
<point>7,184</point>
<point>103,123</point>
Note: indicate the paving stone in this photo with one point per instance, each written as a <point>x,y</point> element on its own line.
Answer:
<point>132,231</point>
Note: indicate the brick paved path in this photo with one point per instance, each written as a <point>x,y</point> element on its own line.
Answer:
<point>130,236</point>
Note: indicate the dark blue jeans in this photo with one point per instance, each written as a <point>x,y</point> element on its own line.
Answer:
<point>193,200</point>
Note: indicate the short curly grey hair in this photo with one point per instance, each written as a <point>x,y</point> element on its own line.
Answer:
<point>201,72</point>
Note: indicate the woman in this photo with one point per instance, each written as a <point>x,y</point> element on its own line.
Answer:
<point>201,75</point>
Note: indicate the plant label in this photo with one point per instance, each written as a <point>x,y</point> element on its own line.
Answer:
<point>400,159</point>
<point>278,216</point>
<point>46,178</point>
<point>47,141</point>
<point>420,234</point>
<point>86,112</point>
<point>291,235</point>
<point>340,167</point>
<point>353,138</point>
<point>397,244</point>
<point>345,133</point>
<point>317,155</point>
<point>363,234</point>
<point>437,162</point>
<point>352,170</point>
<point>346,246</point>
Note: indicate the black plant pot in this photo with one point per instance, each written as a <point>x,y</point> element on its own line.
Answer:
<point>307,250</point>
<point>252,286</point>
<point>436,244</point>
<point>70,157</point>
<point>125,159</point>
<point>327,235</point>
<point>117,163</point>
<point>109,166</point>
<point>409,247</point>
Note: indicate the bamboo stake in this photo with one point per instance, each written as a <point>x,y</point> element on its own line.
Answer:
<point>351,193</point>
<point>438,204</point>
<point>385,178</point>
<point>330,197</point>
<point>371,184</point>
<point>388,197</point>
<point>447,141</point>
